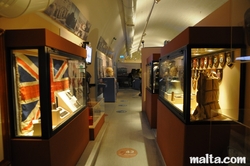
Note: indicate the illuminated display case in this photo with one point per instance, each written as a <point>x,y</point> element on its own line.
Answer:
<point>201,82</point>
<point>47,97</point>
<point>172,79</point>
<point>66,73</point>
<point>201,92</point>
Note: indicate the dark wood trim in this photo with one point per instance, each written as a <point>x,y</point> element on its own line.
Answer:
<point>4,105</point>
<point>5,163</point>
<point>64,148</point>
<point>153,57</point>
<point>205,37</point>
<point>151,108</point>
<point>41,37</point>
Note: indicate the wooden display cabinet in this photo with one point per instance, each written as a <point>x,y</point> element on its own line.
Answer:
<point>200,92</point>
<point>47,98</point>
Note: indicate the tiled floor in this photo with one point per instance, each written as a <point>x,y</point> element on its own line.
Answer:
<point>126,138</point>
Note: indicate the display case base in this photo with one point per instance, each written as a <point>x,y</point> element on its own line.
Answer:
<point>178,141</point>
<point>96,127</point>
<point>151,108</point>
<point>64,148</point>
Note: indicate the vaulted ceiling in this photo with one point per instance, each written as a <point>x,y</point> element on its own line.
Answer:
<point>128,25</point>
<point>131,22</point>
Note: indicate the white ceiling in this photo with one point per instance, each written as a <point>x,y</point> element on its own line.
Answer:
<point>160,21</point>
<point>168,19</point>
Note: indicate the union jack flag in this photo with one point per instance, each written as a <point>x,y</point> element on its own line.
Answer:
<point>27,77</point>
<point>59,77</point>
<point>28,91</point>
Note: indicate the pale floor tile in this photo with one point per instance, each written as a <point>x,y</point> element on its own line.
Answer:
<point>127,127</point>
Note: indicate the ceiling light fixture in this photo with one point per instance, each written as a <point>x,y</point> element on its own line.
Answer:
<point>144,30</point>
<point>157,1</point>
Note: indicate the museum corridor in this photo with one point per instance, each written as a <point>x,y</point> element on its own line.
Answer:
<point>125,138</point>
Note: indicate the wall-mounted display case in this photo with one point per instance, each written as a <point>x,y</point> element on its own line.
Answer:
<point>201,83</point>
<point>47,95</point>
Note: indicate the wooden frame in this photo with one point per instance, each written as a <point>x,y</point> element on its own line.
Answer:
<point>4,105</point>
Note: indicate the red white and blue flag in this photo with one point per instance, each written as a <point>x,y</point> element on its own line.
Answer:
<point>28,91</point>
<point>59,78</point>
<point>27,77</point>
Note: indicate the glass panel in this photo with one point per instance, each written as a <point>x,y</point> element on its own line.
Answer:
<point>171,83</point>
<point>27,95</point>
<point>68,88</point>
<point>155,76</point>
<point>215,84</point>
<point>148,76</point>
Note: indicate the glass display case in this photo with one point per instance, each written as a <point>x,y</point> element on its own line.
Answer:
<point>46,97</point>
<point>171,82</point>
<point>201,84</point>
<point>47,85</point>
<point>66,80</point>
<point>201,92</point>
<point>152,76</point>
